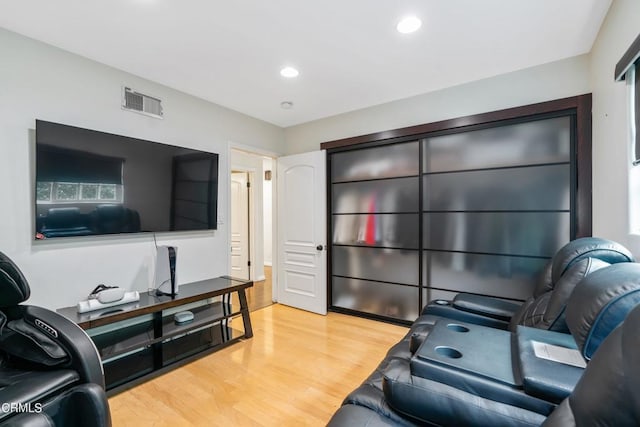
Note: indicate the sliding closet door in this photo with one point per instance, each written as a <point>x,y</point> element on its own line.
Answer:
<point>375,215</point>
<point>477,204</point>
<point>497,205</point>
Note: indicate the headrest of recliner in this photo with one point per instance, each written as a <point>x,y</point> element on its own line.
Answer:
<point>588,247</point>
<point>14,288</point>
<point>554,313</point>
<point>543,282</point>
<point>600,302</point>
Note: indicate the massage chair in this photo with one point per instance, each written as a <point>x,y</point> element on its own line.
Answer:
<point>50,370</point>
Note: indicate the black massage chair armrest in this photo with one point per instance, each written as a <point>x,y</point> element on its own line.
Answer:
<point>85,358</point>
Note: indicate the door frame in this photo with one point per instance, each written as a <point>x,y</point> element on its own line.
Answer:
<point>248,149</point>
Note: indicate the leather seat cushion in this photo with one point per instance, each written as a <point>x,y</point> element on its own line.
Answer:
<point>370,394</point>
<point>17,386</point>
<point>440,404</point>
<point>355,415</point>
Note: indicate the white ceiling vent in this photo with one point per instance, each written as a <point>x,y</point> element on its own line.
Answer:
<point>141,103</point>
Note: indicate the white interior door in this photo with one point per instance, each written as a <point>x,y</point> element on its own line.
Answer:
<point>301,211</point>
<point>239,225</point>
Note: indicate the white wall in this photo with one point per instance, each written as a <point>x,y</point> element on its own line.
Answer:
<point>267,205</point>
<point>38,81</point>
<point>610,125</point>
<point>555,80</point>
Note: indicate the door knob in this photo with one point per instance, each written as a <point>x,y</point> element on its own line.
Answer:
<point>319,247</point>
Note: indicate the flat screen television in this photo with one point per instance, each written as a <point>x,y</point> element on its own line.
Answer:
<point>93,183</point>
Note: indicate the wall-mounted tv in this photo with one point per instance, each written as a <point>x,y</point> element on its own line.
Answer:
<point>93,183</point>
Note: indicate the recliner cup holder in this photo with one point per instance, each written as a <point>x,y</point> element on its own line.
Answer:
<point>449,352</point>
<point>442,302</point>
<point>457,328</point>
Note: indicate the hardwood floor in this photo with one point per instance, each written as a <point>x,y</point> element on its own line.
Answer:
<point>261,295</point>
<point>296,370</point>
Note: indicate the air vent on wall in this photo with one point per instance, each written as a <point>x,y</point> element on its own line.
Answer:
<point>141,103</point>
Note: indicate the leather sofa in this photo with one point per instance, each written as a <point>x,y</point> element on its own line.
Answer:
<point>50,371</point>
<point>497,379</point>
<point>545,308</point>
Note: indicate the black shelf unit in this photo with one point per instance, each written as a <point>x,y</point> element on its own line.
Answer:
<point>139,341</point>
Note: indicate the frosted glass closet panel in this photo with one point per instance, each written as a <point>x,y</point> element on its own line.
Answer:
<point>523,188</point>
<point>537,142</point>
<point>391,195</point>
<point>381,230</point>
<point>497,204</point>
<point>476,211</point>
<point>496,275</point>
<point>375,217</point>
<point>538,234</point>
<point>386,265</point>
<point>378,162</point>
<point>383,299</point>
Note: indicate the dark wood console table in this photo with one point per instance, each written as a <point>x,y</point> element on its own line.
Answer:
<point>140,340</point>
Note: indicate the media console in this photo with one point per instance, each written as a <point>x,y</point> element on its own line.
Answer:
<point>140,340</point>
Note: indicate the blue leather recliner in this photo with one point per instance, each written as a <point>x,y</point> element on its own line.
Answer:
<point>544,309</point>
<point>467,374</point>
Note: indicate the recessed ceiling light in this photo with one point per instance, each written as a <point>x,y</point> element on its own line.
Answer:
<point>289,72</point>
<point>287,105</point>
<point>408,25</point>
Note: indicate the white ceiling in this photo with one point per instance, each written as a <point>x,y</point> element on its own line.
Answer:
<point>347,51</point>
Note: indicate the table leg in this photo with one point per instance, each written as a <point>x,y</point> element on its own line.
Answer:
<point>244,308</point>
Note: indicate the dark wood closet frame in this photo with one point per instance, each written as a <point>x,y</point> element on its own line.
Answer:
<point>578,106</point>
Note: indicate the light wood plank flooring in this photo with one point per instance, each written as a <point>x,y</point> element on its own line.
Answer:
<point>260,295</point>
<point>295,371</point>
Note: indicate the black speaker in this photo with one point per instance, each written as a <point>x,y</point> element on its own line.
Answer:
<point>166,280</point>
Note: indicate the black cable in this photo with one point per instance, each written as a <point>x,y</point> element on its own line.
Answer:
<point>154,287</point>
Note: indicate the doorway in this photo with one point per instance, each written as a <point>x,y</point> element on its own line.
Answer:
<point>251,225</point>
